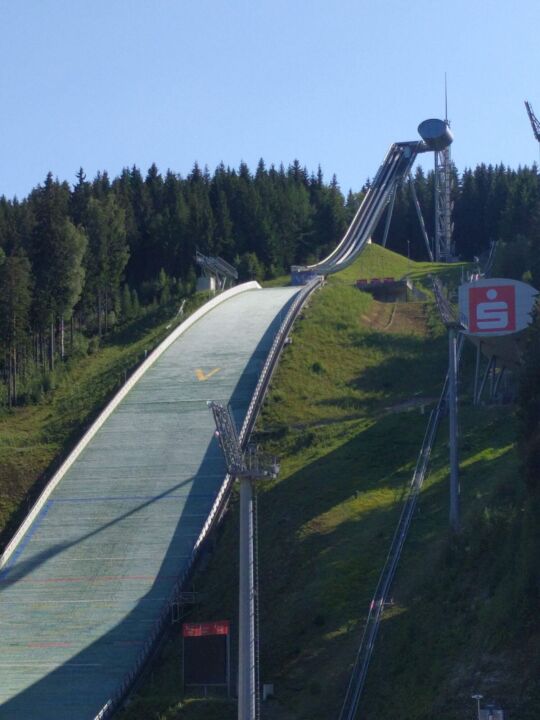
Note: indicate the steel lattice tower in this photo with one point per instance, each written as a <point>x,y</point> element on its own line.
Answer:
<point>443,206</point>
<point>444,227</point>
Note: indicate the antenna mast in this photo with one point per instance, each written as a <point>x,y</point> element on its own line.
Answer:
<point>445,100</point>
<point>443,199</point>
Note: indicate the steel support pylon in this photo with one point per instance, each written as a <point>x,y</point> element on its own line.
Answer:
<point>443,206</point>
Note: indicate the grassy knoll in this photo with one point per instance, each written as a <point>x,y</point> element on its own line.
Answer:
<point>376,262</point>
<point>35,438</point>
<point>346,415</point>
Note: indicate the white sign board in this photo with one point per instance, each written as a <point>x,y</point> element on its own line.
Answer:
<point>496,306</point>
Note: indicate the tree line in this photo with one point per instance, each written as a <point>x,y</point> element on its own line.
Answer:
<point>76,260</point>
<point>490,204</point>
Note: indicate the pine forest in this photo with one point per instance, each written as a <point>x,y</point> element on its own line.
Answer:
<point>77,261</point>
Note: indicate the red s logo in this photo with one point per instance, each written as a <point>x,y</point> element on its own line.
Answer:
<point>492,309</point>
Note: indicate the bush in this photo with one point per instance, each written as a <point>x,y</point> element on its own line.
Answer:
<point>49,382</point>
<point>79,349</point>
<point>93,345</point>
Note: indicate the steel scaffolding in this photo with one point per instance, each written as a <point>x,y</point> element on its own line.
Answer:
<point>444,250</point>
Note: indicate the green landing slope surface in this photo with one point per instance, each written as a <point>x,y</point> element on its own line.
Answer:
<point>86,584</point>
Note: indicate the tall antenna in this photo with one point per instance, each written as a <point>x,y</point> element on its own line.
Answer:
<point>443,196</point>
<point>445,99</point>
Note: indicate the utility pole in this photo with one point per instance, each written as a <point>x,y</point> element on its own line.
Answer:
<point>453,330</point>
<point>247,467</point>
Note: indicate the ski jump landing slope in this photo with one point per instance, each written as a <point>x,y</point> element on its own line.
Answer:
<point>90,572</point>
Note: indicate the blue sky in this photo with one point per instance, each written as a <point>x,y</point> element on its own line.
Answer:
<point>105,84</point>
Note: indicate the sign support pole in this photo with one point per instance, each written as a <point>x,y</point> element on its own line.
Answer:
<point>452,413</point>
<point>247,467</point>
<point>246,606</point>
<point>476,399</point>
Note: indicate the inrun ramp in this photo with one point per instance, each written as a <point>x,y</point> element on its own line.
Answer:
<point>89,578</point>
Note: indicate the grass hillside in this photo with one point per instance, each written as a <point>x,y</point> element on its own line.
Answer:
<point>346,414</point>
<point>378,262</point>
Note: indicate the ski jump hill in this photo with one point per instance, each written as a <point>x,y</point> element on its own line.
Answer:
<point>85,584</point>
<point>87,581</point>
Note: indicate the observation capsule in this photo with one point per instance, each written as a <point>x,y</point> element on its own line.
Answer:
<point>435,133</point>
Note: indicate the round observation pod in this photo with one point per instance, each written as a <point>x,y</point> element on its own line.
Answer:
<point>435,133</point>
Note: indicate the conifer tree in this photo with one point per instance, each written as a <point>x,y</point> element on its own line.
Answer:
<point>107,255</point>
<point>15,300</point>
<point>52,257</point>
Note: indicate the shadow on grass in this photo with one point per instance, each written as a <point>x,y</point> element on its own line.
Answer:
<point>325,532</point>
<point>462,607</point>
<point>318,571</point>
<point>154,708</point>
<point>320,582</point>
<point>411,362</point>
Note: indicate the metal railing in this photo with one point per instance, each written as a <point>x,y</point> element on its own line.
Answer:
<point>258,396</point>
<point>379,599</point>
<point>273,357</point>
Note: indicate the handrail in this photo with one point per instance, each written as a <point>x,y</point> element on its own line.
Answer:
<point>273,357</point>
<point>220,503</point>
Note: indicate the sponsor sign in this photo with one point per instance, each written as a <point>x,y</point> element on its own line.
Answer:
<point>496,306</point>
<point>218,627</point>
<point>206,653</point>
<point>375,281</point>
